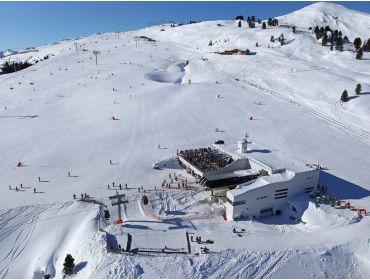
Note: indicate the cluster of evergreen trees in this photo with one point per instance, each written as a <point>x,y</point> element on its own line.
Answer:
<point>251,20</point>
<point>360,50</point>
<point>272,22</point>
<point>334,37</point>
<point>10,67</point>
<point>345,98</point>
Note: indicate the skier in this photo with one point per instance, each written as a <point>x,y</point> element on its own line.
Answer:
<point>69,174</point>
<point>10,187</point>
<point>108,187</point>
<point>113,184</point>
<point>120,186</point>
<point>21,186</point>
<point>74,196</point>
<point>110,162</point>
<point>16,188</point>
<point>34,190</point>
<point>39,179</point>
<point>126,186</point>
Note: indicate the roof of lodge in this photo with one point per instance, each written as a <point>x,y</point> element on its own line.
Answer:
<point>238,173</point>
<point>276,160</point>
<point>261,181</point>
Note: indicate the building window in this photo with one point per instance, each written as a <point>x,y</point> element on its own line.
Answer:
<point>281,190</point>
<point>266,210</point>
<point>241,202</point>
<point>278,197</point>
<point>261,197</point>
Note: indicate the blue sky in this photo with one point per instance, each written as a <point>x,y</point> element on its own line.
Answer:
<point>31,24</point>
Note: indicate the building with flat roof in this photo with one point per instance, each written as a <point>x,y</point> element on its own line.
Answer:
<point>264,180</point>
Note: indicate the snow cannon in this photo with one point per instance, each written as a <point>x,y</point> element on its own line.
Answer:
<point>19,164</point>
<point>251,118</point>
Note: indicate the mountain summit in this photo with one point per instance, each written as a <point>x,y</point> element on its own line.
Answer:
<point>352,23</point>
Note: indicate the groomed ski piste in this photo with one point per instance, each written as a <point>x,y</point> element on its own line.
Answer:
<point>57,117</point>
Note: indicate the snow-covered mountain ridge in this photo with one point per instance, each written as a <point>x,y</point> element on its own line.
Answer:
<point>56,119</point>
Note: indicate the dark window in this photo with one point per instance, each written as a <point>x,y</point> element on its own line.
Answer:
<point>229,201</point>
<point>278,197</point>
<point>281,190</point>
<point>282,193</point>
<point>278,212</point>
<point>266,210</point>
<point>236,203</point>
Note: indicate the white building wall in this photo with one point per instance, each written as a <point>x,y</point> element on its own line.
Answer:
<point>264,196</point>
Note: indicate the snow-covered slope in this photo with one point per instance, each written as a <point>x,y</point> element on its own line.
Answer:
<point>352,23</point>
<point>56,117</point>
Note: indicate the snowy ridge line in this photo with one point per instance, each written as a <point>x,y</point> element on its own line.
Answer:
<point>362,133</point>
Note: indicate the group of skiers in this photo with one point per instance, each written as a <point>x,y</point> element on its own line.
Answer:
<point>21,187</point>
<point>119,186</point>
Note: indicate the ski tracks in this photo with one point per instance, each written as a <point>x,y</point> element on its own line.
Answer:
<point>24,229</point>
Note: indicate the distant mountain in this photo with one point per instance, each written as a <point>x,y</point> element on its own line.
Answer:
<point>7,53</point>
<point>352,23</point>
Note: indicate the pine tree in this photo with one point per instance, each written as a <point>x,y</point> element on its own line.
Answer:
<point>344,96</point>
<point>357,43</point>
<point>358,89</point>
<point>239,18</point>
<point>324,39</point>
<point>263,25</point>
<point>316,30</point>
<point>240,23</point>
<point>106,214</point>
<point>69,265</point>
<point>366,46</point>
<point>359,54</point>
